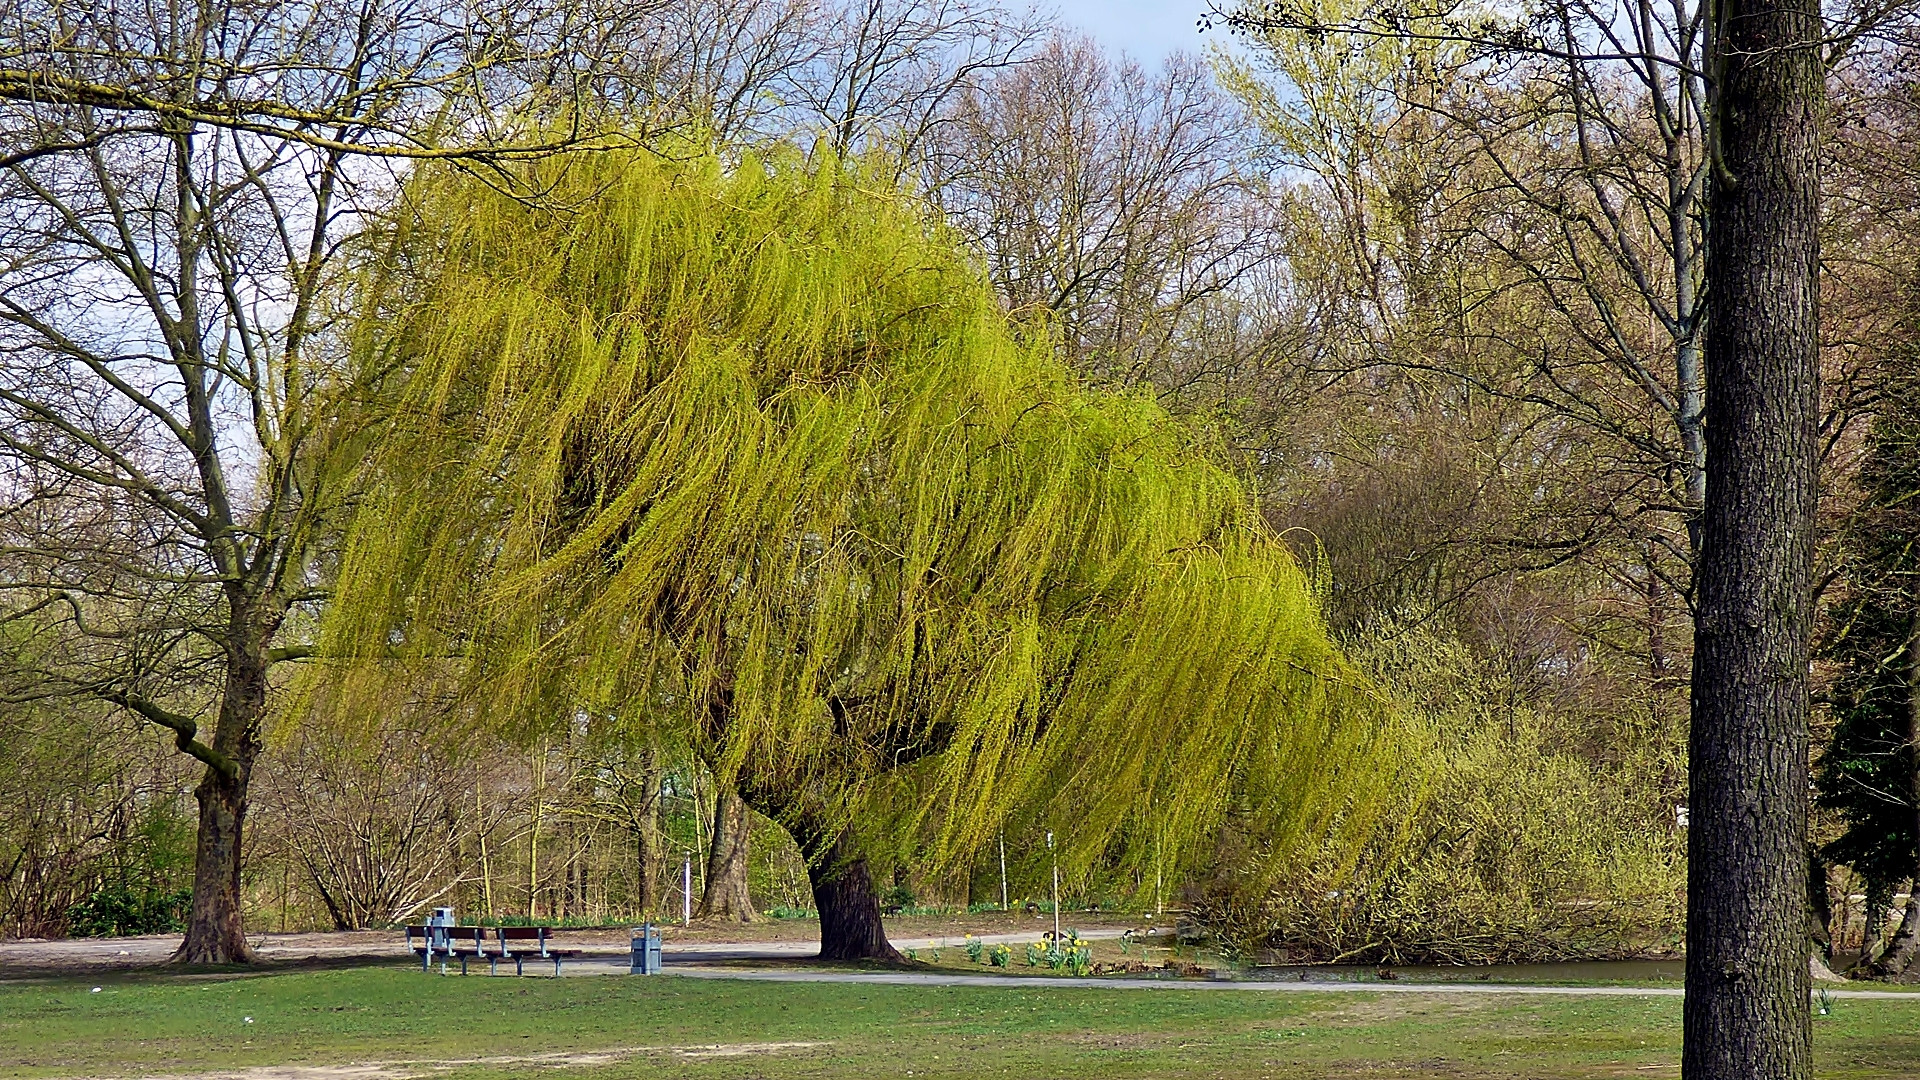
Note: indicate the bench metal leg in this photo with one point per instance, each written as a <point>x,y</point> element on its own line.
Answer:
<point>556,967</point>
<point>463,964</point>
<point>519,966</point>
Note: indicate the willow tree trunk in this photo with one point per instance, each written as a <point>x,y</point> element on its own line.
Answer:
<point>849,905</point>
<point>843,892</point>
<point>1747,1013</point>
<point>726,895</point>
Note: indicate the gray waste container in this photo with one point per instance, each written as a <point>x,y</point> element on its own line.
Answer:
<point>441,919</point>
<point>646,951</point>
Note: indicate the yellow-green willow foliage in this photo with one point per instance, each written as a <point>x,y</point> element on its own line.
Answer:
<point>748,456</point>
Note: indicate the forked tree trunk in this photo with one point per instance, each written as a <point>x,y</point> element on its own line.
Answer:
<point>726,896</point>
<point>1905,946</point>
<point>1747,1013</point>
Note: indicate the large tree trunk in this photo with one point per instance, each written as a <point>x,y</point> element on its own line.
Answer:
<point>215,934</point>
<point>1747,1014</point>
<point>849,905</point>
<point>1905,946</point>
<point>843,892</point>
<point>215,931</point>
<point>726,895</point>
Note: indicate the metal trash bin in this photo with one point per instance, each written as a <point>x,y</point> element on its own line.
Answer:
<point>645,959</point>
<point>438,923</point>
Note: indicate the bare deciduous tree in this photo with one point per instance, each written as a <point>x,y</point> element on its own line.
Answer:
<point>1108,201</point>
<point>180,189</point>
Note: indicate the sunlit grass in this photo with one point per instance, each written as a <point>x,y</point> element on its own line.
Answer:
<point>148,1025</point>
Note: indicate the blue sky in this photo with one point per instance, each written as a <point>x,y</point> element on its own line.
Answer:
<point>1144,28</point>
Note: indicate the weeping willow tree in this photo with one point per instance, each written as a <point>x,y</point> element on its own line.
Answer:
<point>749,456</point>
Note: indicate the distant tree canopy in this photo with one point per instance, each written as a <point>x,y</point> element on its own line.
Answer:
<point>749,455</point>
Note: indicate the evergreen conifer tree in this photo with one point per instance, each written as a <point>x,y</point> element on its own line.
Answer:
<point>1871,767</point>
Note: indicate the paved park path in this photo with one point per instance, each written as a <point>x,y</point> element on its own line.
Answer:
<point>698,959</point>
<point>915,978</point>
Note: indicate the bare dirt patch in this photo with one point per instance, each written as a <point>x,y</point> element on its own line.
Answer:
<point>411,1070</point>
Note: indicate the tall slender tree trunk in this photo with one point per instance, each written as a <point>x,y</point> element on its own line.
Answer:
<point>1873,923</point>
<point>647,848</point>
<point>1747,1014</point>
<point>1819,902</point>
<point>726,895</point>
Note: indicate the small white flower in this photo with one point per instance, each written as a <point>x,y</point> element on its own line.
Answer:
<point>249,1019</point>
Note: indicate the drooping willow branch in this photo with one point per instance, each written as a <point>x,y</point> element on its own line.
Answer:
<point>762,436</point>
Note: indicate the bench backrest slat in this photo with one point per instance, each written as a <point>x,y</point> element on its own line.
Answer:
<point>535,934</point>
<point>441,936</point>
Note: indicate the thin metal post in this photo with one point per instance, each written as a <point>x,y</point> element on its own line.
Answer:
<point>686,892</point>
<point>1158,908</point>
<point>1056,890</point>
<point>1003,871</point>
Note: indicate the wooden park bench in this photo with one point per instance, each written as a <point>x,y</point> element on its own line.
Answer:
<point>522,943</point>
<point>447,942</point>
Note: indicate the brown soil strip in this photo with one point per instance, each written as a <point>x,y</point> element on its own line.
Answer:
<point>411,1070</point>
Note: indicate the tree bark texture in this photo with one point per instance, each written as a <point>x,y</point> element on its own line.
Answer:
<point>1873,923</point>
<point>216,933</point>
<point>849,905</point>
<point>1905,946</point>
<point>843,890</point>
<point>648,851</point>
<point>726,895</point>
<point>1747,1014</point>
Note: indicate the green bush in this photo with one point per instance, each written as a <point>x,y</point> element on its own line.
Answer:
<point>116,910</point>
<point>1516,833</point>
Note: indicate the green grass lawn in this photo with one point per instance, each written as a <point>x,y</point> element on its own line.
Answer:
<point>153,1025</point>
